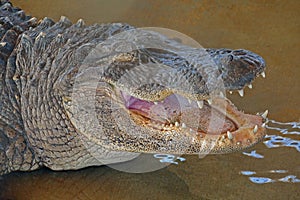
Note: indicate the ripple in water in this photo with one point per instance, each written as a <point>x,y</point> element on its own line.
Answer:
<point>168,158</point>
<point>253,154</point>
<point>286,128</point>
<point>274,141</point>
<point>263,180</point>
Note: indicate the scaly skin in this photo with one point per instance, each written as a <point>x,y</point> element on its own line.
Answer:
<point>42,123</point>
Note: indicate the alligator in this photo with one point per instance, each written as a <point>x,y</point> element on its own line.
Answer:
<point>43,124</point>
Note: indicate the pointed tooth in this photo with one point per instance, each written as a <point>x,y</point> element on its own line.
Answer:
<point>263,125</point>
<point>209,101</point>
<point>189,101</point>
<point>222,139</point>
<point>183,125</point>
<point>155,102</point>
<point>229,135</point>
<point>191,130</point>
<point>177,124</point>
<point>200,104</point>
<point>265,114</point>
<point>241,92</point>
<point>250,86</point>
<point>263,74</point>
<point>255,129</point>
<point>230,92</point>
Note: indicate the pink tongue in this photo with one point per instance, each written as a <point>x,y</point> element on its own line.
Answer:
<point>164,111</point>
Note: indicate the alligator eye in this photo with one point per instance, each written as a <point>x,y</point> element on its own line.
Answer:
<point>230,57</point>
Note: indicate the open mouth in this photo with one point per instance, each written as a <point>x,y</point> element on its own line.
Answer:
<point>199,119</point>
<point>170,106</point>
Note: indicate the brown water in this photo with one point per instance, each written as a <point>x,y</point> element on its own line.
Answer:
<point>269,28</point>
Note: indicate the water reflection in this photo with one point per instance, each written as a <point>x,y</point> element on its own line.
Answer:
<point>286,128</point>
<point>253,154</point>
<point>279,141</point>
<point>263,180</point>
<point>168,158</point>
<point>274,141</point>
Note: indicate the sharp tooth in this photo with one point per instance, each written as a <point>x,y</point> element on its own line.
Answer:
<point>222,138</point>
<point>263,125</point>
<point>229,135</point>
<point>171,125</point>
<point>183,125</point>
<point>230,92</point>
<point>255,129</point>
<point>265,114</point>
<point>238,143</point>
<point>177,124</point>
<point>191,130</point>
<point>250,86</point>
<point>189,101</point>
<point>263,74</point>
<point>241,92</point>
<point>200,104</point>
<point>209,101</point>
<point>155,102</point>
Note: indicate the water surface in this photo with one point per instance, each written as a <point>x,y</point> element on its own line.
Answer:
<point>270,170</point>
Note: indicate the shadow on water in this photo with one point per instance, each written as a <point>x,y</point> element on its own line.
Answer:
<point>271,170</point>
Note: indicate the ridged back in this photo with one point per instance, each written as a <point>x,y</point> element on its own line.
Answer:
<point>13,142</point>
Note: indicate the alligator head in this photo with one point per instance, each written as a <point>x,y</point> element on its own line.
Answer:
<point>170,100</point>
